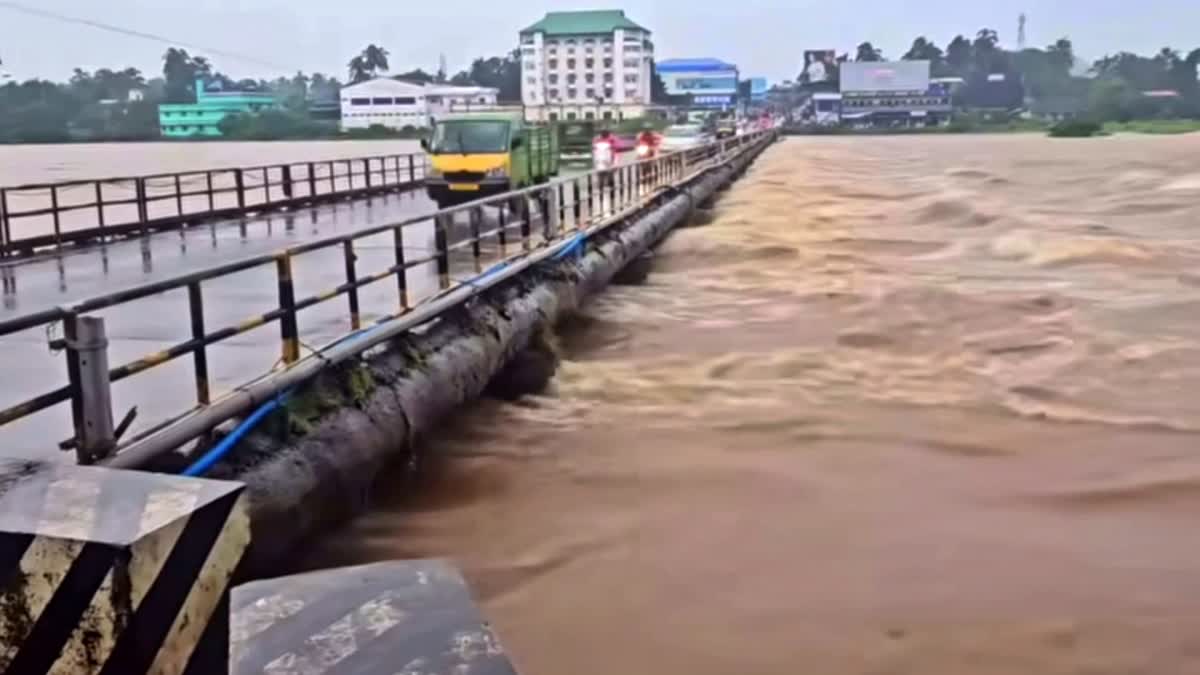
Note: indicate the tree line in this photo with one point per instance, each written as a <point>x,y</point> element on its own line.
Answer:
<point>1114,87</point>
<point>122,105</point>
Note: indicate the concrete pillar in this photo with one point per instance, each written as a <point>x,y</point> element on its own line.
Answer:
<point>108,572</point>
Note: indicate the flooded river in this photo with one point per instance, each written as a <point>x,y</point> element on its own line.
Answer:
<point>909,405</point>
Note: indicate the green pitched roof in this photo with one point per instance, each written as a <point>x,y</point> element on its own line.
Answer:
<point>578,23</point>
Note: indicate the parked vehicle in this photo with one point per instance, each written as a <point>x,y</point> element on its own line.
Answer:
<point>478,155</point>
<point>575,140</point>
<point>683,136</point>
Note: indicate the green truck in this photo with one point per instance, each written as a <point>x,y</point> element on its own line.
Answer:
<point>479,155</point>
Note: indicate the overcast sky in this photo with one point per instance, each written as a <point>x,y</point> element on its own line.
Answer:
<point>764,37</point>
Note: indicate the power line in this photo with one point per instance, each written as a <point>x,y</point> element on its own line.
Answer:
<point>46,14</point>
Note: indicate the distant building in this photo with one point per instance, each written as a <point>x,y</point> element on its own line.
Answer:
<point>892,93</point>
<point>398,104</point>
<point>759,86</point>
<point>585,65</point>
<point>203,118</point>
<point>700,83</point>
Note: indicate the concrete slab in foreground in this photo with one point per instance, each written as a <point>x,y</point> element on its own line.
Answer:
<point>394,618</point>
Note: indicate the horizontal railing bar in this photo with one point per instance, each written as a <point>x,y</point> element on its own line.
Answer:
<point>192,172</point>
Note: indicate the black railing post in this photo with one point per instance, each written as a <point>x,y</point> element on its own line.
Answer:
<point>442,244</point>
<point>367,172</point>
<point>289,332</point>
<point>312,181</point>
<point>352,282</point>
<point>5,230</point>
<point>178,195</point>
<point>412,169</point>
<point>99,205</point>
<point>200,354</point>
<point>266,181</point>
<point>332,179</point>
<point>502,229</point>
<point>208,186</point>
<point>401,266</point>
<point>57,217</point>
<point>526,226</point>
<point>287,181</point>
<point>239,183</point>
<point>142,207</point>
<point>476,218</point>
<point>350,175</point>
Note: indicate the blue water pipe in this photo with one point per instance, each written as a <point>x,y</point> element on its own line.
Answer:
<point>210,458</point>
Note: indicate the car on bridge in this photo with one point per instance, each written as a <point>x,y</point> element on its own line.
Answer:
<point>683,136</point>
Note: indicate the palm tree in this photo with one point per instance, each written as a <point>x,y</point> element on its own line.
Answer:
<point>368,64</point>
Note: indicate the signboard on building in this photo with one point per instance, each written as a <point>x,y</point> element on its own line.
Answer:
<point>819,66</point>
<point>885,77</point>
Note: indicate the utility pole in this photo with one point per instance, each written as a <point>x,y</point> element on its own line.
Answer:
<point>1021,42</point>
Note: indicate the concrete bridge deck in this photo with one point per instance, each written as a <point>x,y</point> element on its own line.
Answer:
<point>145,326</point>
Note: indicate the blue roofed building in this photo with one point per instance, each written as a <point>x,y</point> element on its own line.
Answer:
<point>700,83</point>
<point>758,90</point>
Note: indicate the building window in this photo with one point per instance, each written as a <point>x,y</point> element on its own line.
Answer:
<point>572,93</point>
<point>631,78</point>
<point>552,78</point>
<point>589,116</point>
<point>608,63</point>
<point>531,80</point>
<point>483,99</point>
<point>608,77</point>
<point>632,63</point>
<point>552,63</point>
<point>569,41</point>
<point>434,99</point>
<point>589,41</point>
<point>381,101</point>
<point>591,93</point>
<point>608,114</point>
<point>406,100</point>
<point>570,115</point>
<point>589,78</point>
<point>553,93</point>
<point>632,49</point>
<point>571,78</point>
<point>528,51</point>
<point>570,64</point>
<point>631,93</point>
<point>608,93</point>
<point>589,63</point>
<point>553,117</point>
<point>360,101</point>
<point>552,52</point>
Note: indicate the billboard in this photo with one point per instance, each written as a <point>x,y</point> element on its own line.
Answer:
<point>820,65</point>
<point>885,77</point>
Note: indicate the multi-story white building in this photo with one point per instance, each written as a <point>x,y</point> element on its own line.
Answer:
<point>592,65</point>
<point>398,104</point>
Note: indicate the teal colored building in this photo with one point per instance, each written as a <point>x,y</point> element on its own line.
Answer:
<point>186,120</point>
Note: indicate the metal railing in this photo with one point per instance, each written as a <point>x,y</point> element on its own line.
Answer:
<point>483,235</point>
<point>39,216</point>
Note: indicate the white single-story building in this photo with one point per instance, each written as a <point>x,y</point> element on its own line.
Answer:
<point>399,104</point>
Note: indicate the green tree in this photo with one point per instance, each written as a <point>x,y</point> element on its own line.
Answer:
<point>959,55</point>
<point>1061,55</point>
<point>923,50</point>
<point>417,75</point>
<point>868,52</point>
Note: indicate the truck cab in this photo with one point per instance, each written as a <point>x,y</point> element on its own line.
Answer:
<point>479,155</point>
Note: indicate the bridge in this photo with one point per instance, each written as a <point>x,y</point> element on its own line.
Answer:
<point>356,315</point>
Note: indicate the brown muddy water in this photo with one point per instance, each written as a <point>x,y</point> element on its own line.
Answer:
<point>910,405</point>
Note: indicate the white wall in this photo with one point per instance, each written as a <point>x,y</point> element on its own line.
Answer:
<point>539,80</point>
<point>397,105</point>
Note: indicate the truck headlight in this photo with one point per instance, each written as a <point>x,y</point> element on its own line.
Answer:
<point>498,172</point>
